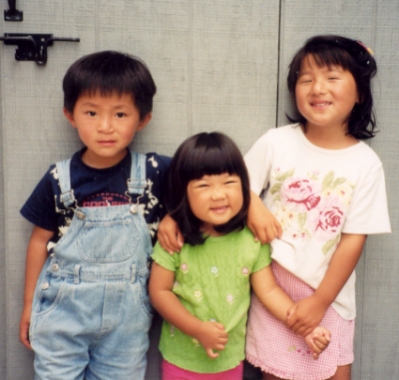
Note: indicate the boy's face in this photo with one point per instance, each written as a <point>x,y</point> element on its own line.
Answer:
<point>106,125</point>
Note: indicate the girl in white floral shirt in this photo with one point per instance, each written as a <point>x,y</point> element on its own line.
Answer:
<point>327,190</point>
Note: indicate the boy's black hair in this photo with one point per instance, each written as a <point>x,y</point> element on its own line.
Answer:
<point>109,72</point>
<point>351,55</point>
<point>199,155</point>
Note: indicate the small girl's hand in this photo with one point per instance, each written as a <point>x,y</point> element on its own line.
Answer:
<point>318,341</point>
<point>212,336</point>
<point>305,315</point>
<point>169,235</point>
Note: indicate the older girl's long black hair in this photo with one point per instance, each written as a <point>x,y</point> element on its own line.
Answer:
<point>351,55</point>
<point>204,154</point>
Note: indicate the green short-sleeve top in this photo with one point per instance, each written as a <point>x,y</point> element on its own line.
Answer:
<point>213,282</point>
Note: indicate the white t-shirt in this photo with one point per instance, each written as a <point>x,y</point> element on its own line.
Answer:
<point>317,194</point>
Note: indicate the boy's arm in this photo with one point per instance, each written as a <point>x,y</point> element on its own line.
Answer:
<point>261,221</point>
<point>306,314</point>
<point>35,258</point>
<point>210,334</point>
<point>169,235</point>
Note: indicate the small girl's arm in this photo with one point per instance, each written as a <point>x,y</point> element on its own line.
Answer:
<point>261,221</point>
<point>318,340</point>
<point>277,302</point>
<point>306,314</point>
<point>211,335</point>
<point>272,297</point>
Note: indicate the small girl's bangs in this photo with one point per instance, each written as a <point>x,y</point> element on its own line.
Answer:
<point>212,156</point>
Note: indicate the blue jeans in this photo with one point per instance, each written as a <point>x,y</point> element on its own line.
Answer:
<point>91,312</point>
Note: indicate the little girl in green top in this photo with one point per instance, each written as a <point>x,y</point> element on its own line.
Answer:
<point>203,293</point>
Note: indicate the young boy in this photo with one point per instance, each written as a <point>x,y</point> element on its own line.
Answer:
<point>86,305</point>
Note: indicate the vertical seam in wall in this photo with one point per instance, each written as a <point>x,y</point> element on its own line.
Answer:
<point>373,44</point>
<point>190,68</point>
<point>96,27</point>
<point>3,284</point>
<point>276,120</point>
<point>364,253</point>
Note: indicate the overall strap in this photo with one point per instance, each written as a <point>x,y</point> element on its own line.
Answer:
<point>137,181</point>
<point>67,197</point>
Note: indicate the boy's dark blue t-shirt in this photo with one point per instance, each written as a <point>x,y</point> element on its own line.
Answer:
<point>96,188</point>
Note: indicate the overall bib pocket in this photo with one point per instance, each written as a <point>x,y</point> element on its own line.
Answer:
<point>108,241</point>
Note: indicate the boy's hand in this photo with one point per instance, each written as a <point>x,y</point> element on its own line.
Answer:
<point>262,222</point>
<point>305,315</point>
<point>212,336</point>
<point>318,341</point>
<point>24,328</point>
<point>169,235</point>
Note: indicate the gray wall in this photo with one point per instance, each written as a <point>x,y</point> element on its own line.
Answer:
<point>218,65</point>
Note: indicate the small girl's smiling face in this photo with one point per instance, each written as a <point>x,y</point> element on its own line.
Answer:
<point>215,199</point>
<point>325,96</point>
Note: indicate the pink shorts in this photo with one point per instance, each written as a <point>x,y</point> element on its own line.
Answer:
<point>171,372</point>
<point>276,350</point>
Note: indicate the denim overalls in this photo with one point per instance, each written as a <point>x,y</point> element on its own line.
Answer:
<point>91,312</point>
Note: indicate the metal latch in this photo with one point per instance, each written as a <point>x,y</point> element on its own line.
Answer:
<point>32,47</point>
<point>13,14</point>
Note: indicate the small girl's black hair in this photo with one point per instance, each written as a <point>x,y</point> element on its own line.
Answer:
<point>204,154</point>
<point>109,72</point>
<point>351,55</point>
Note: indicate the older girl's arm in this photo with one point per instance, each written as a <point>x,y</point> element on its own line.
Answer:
<point>306,314</point>
<point>277,302</point>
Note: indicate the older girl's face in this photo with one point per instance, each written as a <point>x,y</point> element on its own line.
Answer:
<point>215,199</point>
<point>325,96</point>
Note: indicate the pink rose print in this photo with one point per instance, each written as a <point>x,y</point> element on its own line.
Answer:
<point>330,219</point>
<point>302,194</point>
<point>327,223</point>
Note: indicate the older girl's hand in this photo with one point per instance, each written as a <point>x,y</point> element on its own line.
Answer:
<point>305,315</point>
<point>262,222</point>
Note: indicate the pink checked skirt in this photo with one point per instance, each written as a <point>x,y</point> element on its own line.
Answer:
<point>276,350</point>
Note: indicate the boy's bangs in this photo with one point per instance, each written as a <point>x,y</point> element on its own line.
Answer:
<point>105,85</point>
